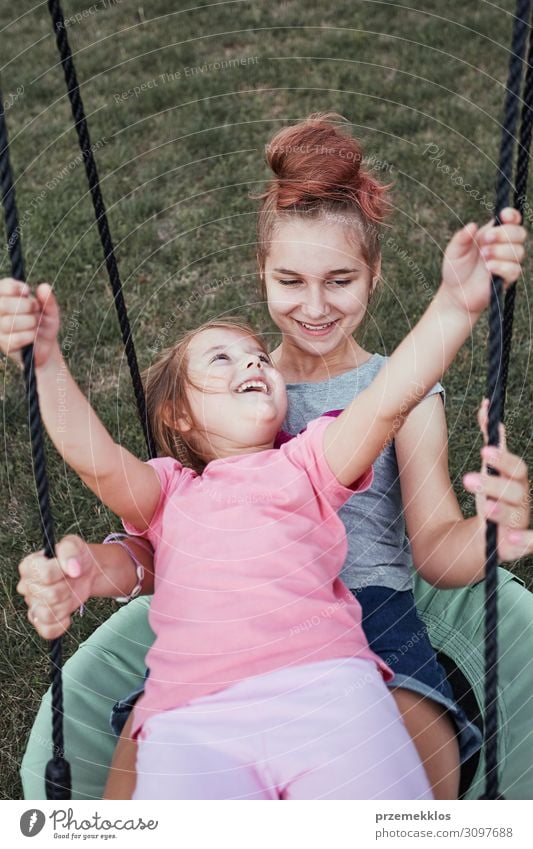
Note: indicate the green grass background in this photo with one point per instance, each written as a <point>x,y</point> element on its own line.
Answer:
<point>178,163</point>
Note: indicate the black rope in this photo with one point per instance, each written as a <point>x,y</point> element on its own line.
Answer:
<point>522,168</point>
<point>91,171</point>
<point>496,392</point>
<point>58,781</point>
<point>58,773</point>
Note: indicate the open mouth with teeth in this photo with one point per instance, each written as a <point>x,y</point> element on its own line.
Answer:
<point>253,386</point>
<point>317,328</point>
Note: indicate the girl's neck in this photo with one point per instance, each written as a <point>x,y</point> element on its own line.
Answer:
<point>230,450</point>
<point>299,366</point>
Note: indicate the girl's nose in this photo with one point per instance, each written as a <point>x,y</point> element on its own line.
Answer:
<point>254,361</point>
<point>315,305</point>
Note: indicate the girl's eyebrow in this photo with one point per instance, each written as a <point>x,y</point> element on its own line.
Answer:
<point>328,273</point>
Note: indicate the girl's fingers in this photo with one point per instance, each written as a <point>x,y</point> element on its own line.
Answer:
<point>18,306</point>
<point>47,300</point>
<point>509,228</point>
<point>69,553</point>
<point>10,286</point>
<point>504,253</point>
<point>47,579</point>
<point>514,544</point>
<point>508,271</point>
<point>13,324</point>
<point>510,215</point>
<point>509,465</point>
<point>30,563</point>
<point>49,631</point>
<point>497,488</point>
<point>505,515</point>
<point>41,580</point>
<point>483,419</point>
<point>503,442</point>
<point>52,614</point>
<point>507,233</point>
<point>25,337</point>
<point>49,597</point>
<point>37,567</point>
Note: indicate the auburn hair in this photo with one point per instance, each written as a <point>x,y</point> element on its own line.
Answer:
<point>166,382</point>
<point>318,170</point>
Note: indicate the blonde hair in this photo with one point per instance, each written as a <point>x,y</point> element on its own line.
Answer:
<point>166,383</point>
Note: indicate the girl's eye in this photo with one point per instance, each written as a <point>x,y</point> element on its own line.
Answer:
<point>220,357</point>
<point>265,358</point>
<point>295,282</point>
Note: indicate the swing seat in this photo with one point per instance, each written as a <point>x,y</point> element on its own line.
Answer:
<point>111,663</point>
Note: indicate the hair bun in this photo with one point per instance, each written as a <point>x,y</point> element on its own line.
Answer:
<point>316,161</point>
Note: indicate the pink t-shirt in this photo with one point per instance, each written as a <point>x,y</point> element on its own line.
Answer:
<point>247,559</point>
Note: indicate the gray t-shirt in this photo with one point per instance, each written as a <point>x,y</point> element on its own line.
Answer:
<point>378,549</point>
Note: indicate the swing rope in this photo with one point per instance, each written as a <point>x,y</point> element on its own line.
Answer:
<point>522,168</point>
<point>91,171</point>
<point>57,776</point>
<point>500,332</point>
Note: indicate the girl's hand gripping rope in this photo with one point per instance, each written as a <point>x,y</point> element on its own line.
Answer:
<point>54,588</point>
<point>474,254</point>
<point>504,499</point>
<point>26,319</point>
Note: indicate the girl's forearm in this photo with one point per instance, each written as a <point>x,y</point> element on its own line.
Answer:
<point>373,418</point>
<point>73,426</point>
<point>424,355</point>
<point>455,554</point>
<point>114,570</point>
<point>125,484</point>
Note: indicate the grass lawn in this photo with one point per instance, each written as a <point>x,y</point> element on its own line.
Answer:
<point>181,103</point>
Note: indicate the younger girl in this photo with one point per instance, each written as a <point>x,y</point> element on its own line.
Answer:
<point>261,683</point>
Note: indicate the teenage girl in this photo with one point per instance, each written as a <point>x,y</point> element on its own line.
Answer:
<point>319,256</point>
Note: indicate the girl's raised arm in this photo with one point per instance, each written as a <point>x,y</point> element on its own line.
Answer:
<point>357,436</point>
<point>125,484</point>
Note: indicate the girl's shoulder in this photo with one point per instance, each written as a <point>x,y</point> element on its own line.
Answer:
<point>172,473</point>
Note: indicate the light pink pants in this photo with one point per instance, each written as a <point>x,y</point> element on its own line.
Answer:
<point>326,730</point>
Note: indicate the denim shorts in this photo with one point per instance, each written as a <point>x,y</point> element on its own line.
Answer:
<point>397,634</point>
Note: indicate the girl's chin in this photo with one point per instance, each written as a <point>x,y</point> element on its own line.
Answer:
<point>261,409</point>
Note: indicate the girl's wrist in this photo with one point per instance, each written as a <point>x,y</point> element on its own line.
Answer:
<point>133,570</point>
<point>53,363</point>
<point>454,305</point>
<point>95,569</point>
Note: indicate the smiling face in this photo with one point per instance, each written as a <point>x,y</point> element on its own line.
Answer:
<point>236,397</point>
<point>317,284</point>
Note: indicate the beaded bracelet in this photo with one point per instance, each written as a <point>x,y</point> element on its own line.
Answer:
<point>118,539</point>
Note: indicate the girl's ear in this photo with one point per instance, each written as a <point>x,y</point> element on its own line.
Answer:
<point>182,423</point>
<point>376,274</point>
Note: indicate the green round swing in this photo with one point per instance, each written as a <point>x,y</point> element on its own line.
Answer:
<point>111,662</point>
